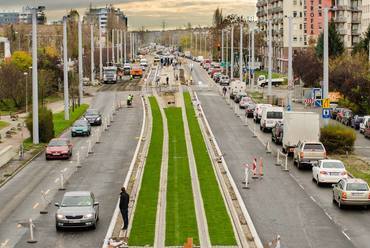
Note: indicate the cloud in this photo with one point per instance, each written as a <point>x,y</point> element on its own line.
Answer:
<point>148,13</point>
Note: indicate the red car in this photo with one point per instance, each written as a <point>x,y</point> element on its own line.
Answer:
<point>59,148</point>
<point>214,70</point>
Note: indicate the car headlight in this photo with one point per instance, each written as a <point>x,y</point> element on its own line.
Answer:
<point>88,216</point>
<point>98,119</point>
<point>60,216</point>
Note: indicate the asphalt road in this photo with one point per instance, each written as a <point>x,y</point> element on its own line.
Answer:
<point>285,204</point>
<point>102,172</point>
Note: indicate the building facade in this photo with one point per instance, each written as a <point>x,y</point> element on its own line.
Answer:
<point>103,15</point>
<point>9,18</point>
<point>22,17</point>
<point>307,24</point>
<point>365,17</point>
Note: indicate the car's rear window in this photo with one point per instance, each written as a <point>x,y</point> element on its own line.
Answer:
<point>58,143</point>
<point>357,187</point>
<point>274,115</point>
<point>313,147</point>
<point>92,112</point>
<point>333,165</point>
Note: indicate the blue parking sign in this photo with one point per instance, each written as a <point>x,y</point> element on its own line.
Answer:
<point>325,113</point>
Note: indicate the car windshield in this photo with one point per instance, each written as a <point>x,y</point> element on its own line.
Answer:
<point>58,143</point>
<point>92,112</point>
<point>313,147</point>
<point>357,187</point>
<point>274,115</point>
<point>332,165</point>
<point>77,201</point>
<point>80,124</point>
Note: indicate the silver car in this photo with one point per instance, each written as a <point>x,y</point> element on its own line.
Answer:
<point>77,209</point>
<point>351,191</point>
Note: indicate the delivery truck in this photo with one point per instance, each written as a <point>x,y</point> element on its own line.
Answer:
<point>299,127</point>
<point>262,81</point>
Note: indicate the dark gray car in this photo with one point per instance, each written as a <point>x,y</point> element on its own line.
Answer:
<point>77,209</point>
<point>94,117</point>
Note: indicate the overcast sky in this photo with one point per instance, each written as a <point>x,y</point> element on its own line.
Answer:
<point>147,13</point>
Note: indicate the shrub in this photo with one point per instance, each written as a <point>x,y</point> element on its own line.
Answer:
<point>337,139</point>
<point>46,125</point>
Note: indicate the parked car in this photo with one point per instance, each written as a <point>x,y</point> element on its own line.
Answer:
<point>258,111</point>
<point>363,124</point>
<point>81,128</point>
<point>328,171</point>
<point>224,80</point>
<point>244,102</point>
<point>250,110</point>
<point>269,117</point>
<point>277,133</point>
<point>351,191</point>
<point>356,121</point>
<point>343,114</point>
<point>77,209</point>
<point>94,117</point>
<point>217,77</point>
<point>238,97</point>
<point>307,153</point>
<point>334,112</point>
<point>367,129</point>
<point>59,148</point>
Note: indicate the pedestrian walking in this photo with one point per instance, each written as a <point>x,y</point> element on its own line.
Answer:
<point>123,206</point>
<point>224,90</point>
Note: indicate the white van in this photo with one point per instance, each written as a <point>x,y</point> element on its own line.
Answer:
<point>270,116</point>
<point>236,86</point>
<point>258,111</point>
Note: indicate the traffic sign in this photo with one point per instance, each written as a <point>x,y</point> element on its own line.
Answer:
<point>326,103</point>
<point>325,113</point>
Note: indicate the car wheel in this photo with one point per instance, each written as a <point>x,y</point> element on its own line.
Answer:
<point>93,226</point>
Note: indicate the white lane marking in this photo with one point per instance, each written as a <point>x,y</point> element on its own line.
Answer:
<point>56,180</point>
<point>47,191</point>
<point>65,169</point>
<point>328,215</point>
<point>3,244</point>
<point>300,185</point>
<point>345,234</point>
<point>313,199</point>
<point>36,205</point>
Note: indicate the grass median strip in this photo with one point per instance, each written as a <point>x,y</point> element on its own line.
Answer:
<point>219,225</point>
<point>3,124</point>
<point>143,226</point>
<point>180,212</point>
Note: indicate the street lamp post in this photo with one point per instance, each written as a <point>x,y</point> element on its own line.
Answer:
<point>92,52</point>
<point>26,75</point>
<point>232,53</point>
<point>290,65</point>
<point>222,46</point>
<point>100,54</point>
<point>227,53</point>
<point>124,47</point>
<point>269,91</point>
<point>113,56</point>
<point>80,67</point>
<point>249,56</point>
<point>35,97</point>
<point>65,70</point>
<point>241,54</point>
<point>252,51</point>
<point>326,60</point>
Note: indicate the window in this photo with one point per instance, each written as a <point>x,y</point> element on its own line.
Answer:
<point>294,13</point>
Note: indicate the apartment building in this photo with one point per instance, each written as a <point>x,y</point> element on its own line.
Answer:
<point>22,17</point>
<point>102,15</point>
<point>347,16</point>
<point>365,17</point>
<point>307,24</point>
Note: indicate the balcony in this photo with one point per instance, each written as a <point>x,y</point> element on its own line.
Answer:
<point>340,19</point>
<point>277,9</point>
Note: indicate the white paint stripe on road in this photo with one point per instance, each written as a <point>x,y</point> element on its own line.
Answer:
<point>65,169</point>
<point>300,185</point>
<point>313,199</point>
<point>345,234</point>
<point>47,191</point>
<point>3,244</point>
<point>328,215</point>
<point>36,205</point>
<point>56,180</point>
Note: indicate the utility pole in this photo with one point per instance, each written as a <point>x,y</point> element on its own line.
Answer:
<point>249,55</point>
<point>227,52</point>
<point>205,44</point>
<point>117,38</point>
<point>80,63</point>
<point>113,57</point>
<point>100,54</point>
<point>107,48</point>
<point>252,47</point>
<point>121,47</point>
<point>222,47</point>
<point>196,44</point>
<point>65,65</point>
<point>241,54</point>
<point>290,66</point>
<point>269,91</point>
<point>326,60</point>
<point>124,47</point>
<point>232,53</point>
<point>92,52</point>
<point>35,97</point>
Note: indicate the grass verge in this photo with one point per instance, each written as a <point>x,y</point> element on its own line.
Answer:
<point>256,96</point>
<point>214,204</point>
<point>356,166</point>
<point>143,226</point>
<point>180,212</point>
<point>60,125</point>
<point>3,124</point>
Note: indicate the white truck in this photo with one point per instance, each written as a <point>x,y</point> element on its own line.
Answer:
<point>299,127</point>
<point>236,86</point>
<point>110,74</point>
<point>187,54</point>
<point>262,81</point>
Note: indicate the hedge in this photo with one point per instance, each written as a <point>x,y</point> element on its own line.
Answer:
<point>337,139</point>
